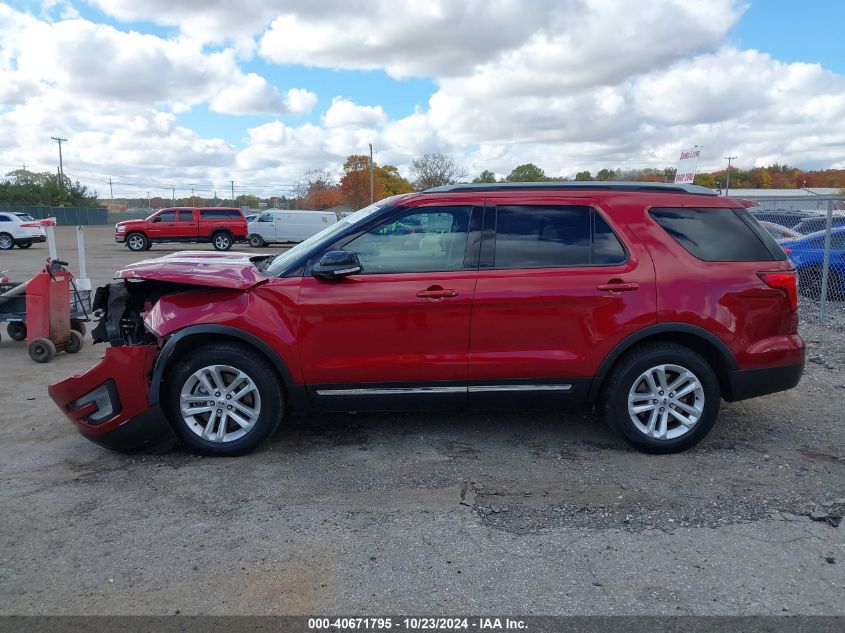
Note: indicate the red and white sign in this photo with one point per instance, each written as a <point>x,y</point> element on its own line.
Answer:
<point>688,165</point>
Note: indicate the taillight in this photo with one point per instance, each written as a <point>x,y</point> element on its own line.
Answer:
<point>786,281</point>
<point>29,225</point>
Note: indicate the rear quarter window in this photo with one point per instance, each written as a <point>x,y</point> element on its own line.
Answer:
<point>221,214</point>
<point>718,234</point>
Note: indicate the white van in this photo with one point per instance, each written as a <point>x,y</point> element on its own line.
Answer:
<point>277,225</point>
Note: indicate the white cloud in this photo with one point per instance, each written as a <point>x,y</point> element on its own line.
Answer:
<point>567,84</point>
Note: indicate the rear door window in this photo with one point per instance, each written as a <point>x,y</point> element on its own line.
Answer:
<point>718,234</point>
<point>550,236</point>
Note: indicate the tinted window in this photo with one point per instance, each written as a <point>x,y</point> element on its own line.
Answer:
<point>5,218</point>
<point>423,240</point>
<point>217,214</point>
<point>186,215</point>
<point>25,217</point>
<point>718,235</point>
<point>551,236</point>
<point>166,216</point>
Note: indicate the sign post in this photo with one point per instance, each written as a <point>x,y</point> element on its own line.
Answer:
<point>688,165</point>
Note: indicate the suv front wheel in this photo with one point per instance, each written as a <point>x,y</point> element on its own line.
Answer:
<point>224,399</point>
<point>662,398</point>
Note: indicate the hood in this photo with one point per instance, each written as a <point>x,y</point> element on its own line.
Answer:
<point>200,268</point>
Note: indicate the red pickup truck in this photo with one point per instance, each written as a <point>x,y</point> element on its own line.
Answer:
<point>220,226</point>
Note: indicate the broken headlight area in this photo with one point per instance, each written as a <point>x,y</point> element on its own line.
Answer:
<point>120,308</point>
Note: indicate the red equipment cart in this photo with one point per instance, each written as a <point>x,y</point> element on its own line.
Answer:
<point>48,313</point>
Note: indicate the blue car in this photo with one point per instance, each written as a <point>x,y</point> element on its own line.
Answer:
<point>807,253</point>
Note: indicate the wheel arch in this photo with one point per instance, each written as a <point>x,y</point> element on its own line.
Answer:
<point>191,337</point>
<point>714,350</point>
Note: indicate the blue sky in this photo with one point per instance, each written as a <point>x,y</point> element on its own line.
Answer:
<point>807,31</point>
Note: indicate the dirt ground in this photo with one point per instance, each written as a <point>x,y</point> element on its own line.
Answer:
<point>504,513</point>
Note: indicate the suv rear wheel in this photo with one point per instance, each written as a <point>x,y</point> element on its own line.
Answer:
<point>222,241</point>
<point>225,399</point>
<point>662,398</point>
<point>6,242</point>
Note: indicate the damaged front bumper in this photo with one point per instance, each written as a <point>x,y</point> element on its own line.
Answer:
<point>110,405</point>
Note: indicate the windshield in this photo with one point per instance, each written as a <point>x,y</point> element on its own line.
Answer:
<point>25,217</point>
<point>283,260</point>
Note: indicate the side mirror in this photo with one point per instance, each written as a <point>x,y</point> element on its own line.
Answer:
<point>337,265</point>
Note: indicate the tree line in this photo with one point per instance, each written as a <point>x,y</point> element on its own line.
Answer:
<point>22,187</point>
<point>320,189</point>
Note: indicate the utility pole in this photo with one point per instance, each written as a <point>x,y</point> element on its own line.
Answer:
<point>172,195</point>
<point>233,192</point>
<point>372,191</point>
<point>111,190</point>
<point>192,196</point>
<point>728,175</point>
<point>60,140</point>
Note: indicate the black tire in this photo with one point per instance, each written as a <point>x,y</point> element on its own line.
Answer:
<point>239,357</point>
<point>74,343</point>
<point>624,377</point>
<point>256,241</point>
<point>16,330</point>
<point>7,242</point>
<point>137,242</point>
<point>42,350</point>
<point>222,241</point>
<point>24,244</point>
<point>79,326</point>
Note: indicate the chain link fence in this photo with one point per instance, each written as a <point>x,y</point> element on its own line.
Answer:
<point>811,229</point>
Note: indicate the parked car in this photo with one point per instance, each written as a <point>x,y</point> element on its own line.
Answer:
<point>654,300</point>
<point>251,217</point>
<point>807,253</point>
<point>220,226</point>
<point>818,223</point>
<point>789,219</point>
<point>19,229</point>
<point>277,225</point>
<point>779,232</point>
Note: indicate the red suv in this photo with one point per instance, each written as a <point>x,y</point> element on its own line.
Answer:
<point>221,226</point>
<point>655,300</point>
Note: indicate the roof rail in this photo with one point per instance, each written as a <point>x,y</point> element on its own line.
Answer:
<point>576,185</point>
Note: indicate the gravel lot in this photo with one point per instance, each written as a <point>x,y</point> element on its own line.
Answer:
<point>514,513</point>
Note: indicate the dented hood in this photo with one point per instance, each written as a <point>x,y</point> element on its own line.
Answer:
<point>201,268</point>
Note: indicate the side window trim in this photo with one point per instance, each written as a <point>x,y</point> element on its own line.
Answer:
<point>489,232</point>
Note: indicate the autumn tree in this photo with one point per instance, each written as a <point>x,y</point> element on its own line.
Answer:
<point>529,172</point>
<point>355,183</point>
<point>317,189</point>
<point>435,170</point>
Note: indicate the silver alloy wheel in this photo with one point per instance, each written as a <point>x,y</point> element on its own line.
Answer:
<point>666,401</point>
<point>136,242</point>
<point>222,241</point>
<point>6,242</point>
<point>220,403</point>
